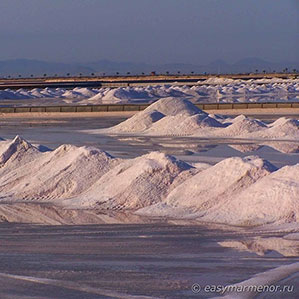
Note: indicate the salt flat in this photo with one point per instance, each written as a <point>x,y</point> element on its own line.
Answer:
<point>123,261</point>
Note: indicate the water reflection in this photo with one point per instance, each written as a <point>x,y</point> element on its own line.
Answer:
<point>210,150</point>
<point>265,246</point>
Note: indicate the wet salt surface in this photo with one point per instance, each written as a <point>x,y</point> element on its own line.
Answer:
<point>54,132</point>
<point>104,261</point>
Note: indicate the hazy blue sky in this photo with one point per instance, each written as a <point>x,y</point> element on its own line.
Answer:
<point>153,31</point>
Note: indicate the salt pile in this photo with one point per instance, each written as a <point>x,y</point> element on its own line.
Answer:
<point>214,185</point>
<point>235,191</point>
<point>220,89</point>
<point>135,183</point>
<point>282,128</point>
<point>154,113</point>
<point>66,171</point>
<point>274,198</point>
<point>259,195</point>
<point>16,153</point>
<point>177,117</point>
<point>243,125</point>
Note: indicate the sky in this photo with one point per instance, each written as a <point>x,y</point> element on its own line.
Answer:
<point>150,31</point>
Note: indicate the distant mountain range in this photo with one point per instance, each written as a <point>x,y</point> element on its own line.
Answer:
<point>27,68</point>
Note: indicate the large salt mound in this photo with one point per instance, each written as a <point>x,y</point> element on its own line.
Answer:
<point>274,198</point>
<point>62,173</point>
<point>16,153</point>
<point>242,125</point>
<point>137,123</point>
<point>219,182</point>
<point>173,110</point>
<point>175,106</point>
<point>282,128</point>
<point>182,125</point>
<point>180,117</point>
<point>135,183</point>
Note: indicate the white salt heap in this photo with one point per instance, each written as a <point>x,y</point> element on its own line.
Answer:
<point>155,112</point>
<point>274,198</point>
<point>211,90</point>
<point>55,175</point>
<point>135,183</point>
<point>235,191</point>
<point>15,153</point>
<point>179,117</point>
<point>243,125</point>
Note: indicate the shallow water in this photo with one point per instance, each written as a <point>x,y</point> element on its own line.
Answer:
<point>104,261</point>
<point>54,132</point>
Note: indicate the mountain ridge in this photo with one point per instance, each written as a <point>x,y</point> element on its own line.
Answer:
<point>32,67</point>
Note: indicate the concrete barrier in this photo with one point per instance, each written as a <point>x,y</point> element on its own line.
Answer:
<point>53,109</point>
<point>269,105</point>
<point>100,108</point>
<point>210,106</point>
<point>200,106</point>
<point>225,106</point>
<point>22,109</point>
<point>140,107</point>
<point>284,105</point>
<point>84,109</point>
<point>38,109</point>
<point>7,110</point>
<point>254,105</point>
<point>68,109</point>
<point>115,108</point>
<point>240,106</point>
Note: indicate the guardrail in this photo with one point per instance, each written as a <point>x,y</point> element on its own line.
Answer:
<point>139,107</point>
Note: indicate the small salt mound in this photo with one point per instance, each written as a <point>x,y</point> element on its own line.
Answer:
<point>180,125</point>
<point>16,153</point>
<point>137,123</point>
<point>65,172</point>
<point>282,128</point>
<point>219,81</point>
<point>125,95</point>
<point>135,183</point>
<point>273,199</point>
<point>242,125</point>
<point>175,106</point>
<point>219,183</point>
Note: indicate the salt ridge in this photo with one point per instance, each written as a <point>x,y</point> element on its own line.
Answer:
<point>235,191</point>
<point>211,90</point>
<point>176,117</point>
